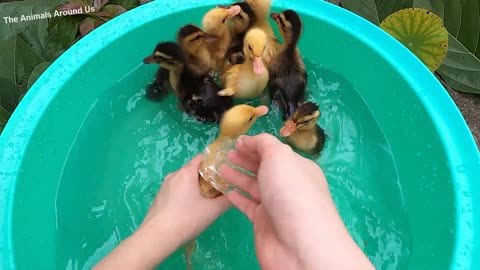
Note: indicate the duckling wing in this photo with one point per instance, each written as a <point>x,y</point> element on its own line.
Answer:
<point>159,87</point>
<point>321,138</point>
<point>288,82</point>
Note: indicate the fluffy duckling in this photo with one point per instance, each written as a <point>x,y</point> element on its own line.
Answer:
<point>239,27</point>
<point>193,41</point>
<point>198,94</point>
<point>248,80</point>
<point>288,78</point>
<point>262,9</point>
<point>160,86</point>
<point>235,122</point>
<point>302,131</point>
<point>216,22</point>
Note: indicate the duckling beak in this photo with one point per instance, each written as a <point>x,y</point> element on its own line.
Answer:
<point>233,11</point>
<point>274,16</point>
<point>258,66</point>
<point>261,110</point>
<point>210,38</point>
<point>149,60</point>
<point>288,128</point>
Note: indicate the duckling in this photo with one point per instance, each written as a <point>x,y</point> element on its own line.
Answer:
<point>235,122</point>
<point>302,131</point>
<point>193,42</point>
<point>239,27</point>
<point>216,22</point>
<point>248,80</point>
<point>288,78</point>
<point>160,86</point>
<point>262,9</point>
<point>197,93</point>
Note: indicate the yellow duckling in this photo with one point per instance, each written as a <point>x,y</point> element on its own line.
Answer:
<point>302,131</point>
<point>216,22</point>
<point>249,79</point>
<point>262,11</point>
<point>235,122</point>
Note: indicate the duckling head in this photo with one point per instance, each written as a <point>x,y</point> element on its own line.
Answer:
<point>261,8</point>
<point>289,24</point>
<point>191,38</point>
<point>254,46</point>
<point>216,20</point>
<point>244,20</point>
<point>239,119</point>
<point>168,54</point>
<point>304,118</point>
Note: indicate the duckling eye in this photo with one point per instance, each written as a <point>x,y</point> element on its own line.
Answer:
<point>225,19</point>
<point>250,120</point>
<point>306,121</point>
<point>249,47</point>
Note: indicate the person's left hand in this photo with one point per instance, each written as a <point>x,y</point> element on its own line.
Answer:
<point>179,201</point>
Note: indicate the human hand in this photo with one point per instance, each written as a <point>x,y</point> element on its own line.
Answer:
<point>178,214</point>
<point>180,200</point>
<point>295,220</point>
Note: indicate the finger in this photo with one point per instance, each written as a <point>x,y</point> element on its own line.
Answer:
<point>242,181</point>
<point>245,205</point>
<point>247,162</point>
<point>259,146</point>
<point>223,204</point>
<point>194,162</point>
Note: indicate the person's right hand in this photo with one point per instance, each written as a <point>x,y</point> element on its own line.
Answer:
<point>296,223</point>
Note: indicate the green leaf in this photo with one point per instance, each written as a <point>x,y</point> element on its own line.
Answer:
<point>67,29</point>
<point>37,71</point>
<point>20,11</point>
<point>4,116</point>
<point>422,32</point>
<point>127,4</point>
<point>9,94</point>
<point>54,47</point>
<point>375,10</point>
<point>18,60</point>
<point>114,10</point>
<point>461,69</point>
<point>461,18</point>
<point>87,26</point>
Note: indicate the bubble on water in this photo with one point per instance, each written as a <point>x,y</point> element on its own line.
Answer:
<point>460,169</point>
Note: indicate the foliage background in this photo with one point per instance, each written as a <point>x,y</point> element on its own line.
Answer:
<point>27,48</point>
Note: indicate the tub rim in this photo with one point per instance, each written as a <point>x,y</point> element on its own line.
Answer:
<point>458,142</point>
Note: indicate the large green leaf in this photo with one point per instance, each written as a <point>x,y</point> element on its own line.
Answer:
<point>4,116</point>
<point>18,60</point>
<point>128,4</point>
<point>375,10</point>
<point>461,68</point>
<point>19,10</point>
<point>39,69</point>
<point>9,94</point>
<point>422,32</point>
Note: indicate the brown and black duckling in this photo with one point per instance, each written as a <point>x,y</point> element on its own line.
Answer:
<point>197,93</point>
<point>303,132</point>
<point>216,22</point>
<point>288,78</point>
<point>261,8</point>
<point>249,79</point>
<point>239,27</point>
<point>193,41</point>
<point>160,85</point>
<point>235,122</point>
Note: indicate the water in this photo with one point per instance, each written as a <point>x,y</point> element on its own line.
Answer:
<point>132,143</point>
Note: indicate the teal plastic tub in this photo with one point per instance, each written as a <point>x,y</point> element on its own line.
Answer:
<point>85,152</point>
